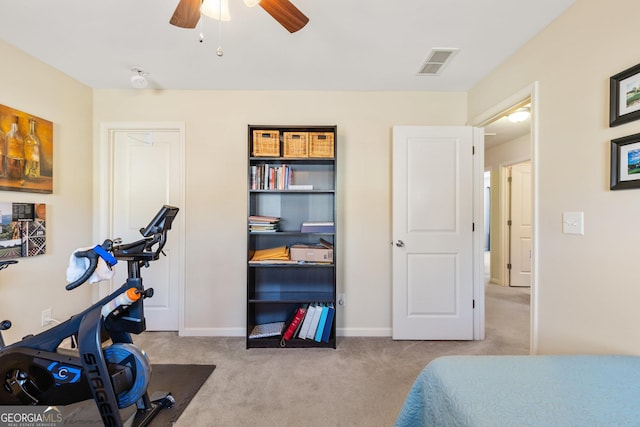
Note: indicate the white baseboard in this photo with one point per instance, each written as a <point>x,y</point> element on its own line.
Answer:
<point>212,332</point>
<point>363,332</point>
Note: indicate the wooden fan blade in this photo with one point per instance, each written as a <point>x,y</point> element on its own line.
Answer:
<point>187,14</point>
<point>285,13</point>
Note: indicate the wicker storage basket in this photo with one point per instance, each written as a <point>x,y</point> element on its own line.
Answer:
<point>266,143</point>
<point>321,144</point>
<point>296,144</point>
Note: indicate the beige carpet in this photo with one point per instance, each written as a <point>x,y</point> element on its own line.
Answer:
<point>362,383</point>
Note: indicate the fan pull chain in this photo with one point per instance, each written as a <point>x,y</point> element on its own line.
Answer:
<point>219,51</point>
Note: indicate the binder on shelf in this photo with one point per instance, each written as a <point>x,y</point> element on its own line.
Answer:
<point>266,330</point>
<point>318,227</point>
<point>326,334</point>
<point>321,323</point>
<point>306,323</point>
<point>313,327</point>
<point>295,322</point>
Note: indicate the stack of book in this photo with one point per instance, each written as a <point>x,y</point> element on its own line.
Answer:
<point>310,322</point>
<point>260,224</point>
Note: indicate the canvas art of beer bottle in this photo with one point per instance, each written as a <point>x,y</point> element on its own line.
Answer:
<point>15,152</point>
<point>32,153</point>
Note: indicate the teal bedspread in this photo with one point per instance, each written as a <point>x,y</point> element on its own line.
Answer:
<point>496,391</point>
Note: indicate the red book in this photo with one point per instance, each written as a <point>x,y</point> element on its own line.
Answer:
<point>294,323</point>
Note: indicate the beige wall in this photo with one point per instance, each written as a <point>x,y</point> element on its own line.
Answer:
<point>216,149</point>
<point>37,283</point>
<point>588,289</point>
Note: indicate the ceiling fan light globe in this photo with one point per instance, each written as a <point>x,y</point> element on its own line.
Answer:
<point>251,3</point>
<point>214,9</point>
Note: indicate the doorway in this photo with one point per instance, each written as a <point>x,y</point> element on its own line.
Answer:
<point>139,168</point>
<point>518,224</point>
<point>500,153</point>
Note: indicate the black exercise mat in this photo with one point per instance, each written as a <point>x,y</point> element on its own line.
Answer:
<point>183,381</point>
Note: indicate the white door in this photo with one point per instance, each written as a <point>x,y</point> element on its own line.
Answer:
<point>433,237</point>
<point>145,173</point>
<point>521,220</point>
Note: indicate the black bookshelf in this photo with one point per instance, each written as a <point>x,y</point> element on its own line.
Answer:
<point>300,187</point>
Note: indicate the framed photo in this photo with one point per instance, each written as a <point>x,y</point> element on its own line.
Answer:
<point>624,104</point>
<point>625,162</point>
<point>27,163</point>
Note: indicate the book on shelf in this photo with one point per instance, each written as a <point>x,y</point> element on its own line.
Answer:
<point>264,330</point>
<point>270,177</point>
<point>262,219</point>
<point>300,187</point>
<point>318,227</point>
<point>326,334</point>
<point>259,223</point>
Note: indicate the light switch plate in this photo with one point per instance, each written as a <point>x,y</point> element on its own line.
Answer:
<point>573,222</point>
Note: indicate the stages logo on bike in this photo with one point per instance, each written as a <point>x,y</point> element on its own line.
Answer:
<point>30,416</point>
<point>63,373</point>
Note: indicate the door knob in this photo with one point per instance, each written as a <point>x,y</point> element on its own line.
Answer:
<point>399,243</point>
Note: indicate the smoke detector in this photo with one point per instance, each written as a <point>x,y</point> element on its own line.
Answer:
<point>139,78</point>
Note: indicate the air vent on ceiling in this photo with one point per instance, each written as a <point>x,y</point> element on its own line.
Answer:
<point>437,59</point>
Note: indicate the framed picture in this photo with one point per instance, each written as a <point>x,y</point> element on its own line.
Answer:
<point>26,153</point>
<point>625,162</point>
<point>624,103</point>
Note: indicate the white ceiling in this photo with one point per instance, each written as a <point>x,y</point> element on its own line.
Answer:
<point>347,44</point>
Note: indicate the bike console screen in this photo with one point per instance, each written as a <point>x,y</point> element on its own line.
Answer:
<point>154,237</point>
<point>161,222</point>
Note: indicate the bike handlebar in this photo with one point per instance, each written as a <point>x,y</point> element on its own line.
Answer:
<point>93,258</point>
<point>139,252</point>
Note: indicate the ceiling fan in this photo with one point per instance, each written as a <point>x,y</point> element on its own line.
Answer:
<point>187,14</point>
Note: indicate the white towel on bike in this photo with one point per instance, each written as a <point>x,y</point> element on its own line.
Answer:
<point>78,265</point>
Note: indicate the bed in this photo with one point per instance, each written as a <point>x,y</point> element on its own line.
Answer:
<point>495,391</point>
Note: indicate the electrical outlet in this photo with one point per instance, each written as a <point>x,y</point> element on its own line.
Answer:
<point>46,316</point>
<point>341,299</point>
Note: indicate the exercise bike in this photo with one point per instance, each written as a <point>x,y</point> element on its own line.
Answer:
<point>106,366</point>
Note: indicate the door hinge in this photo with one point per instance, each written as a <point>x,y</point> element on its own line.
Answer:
<point>509,223</point>
<point>473,226</point>
<point>509,179</point>
<point>509,266</point>
<point>474,304</point>
<point>473,150</point>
